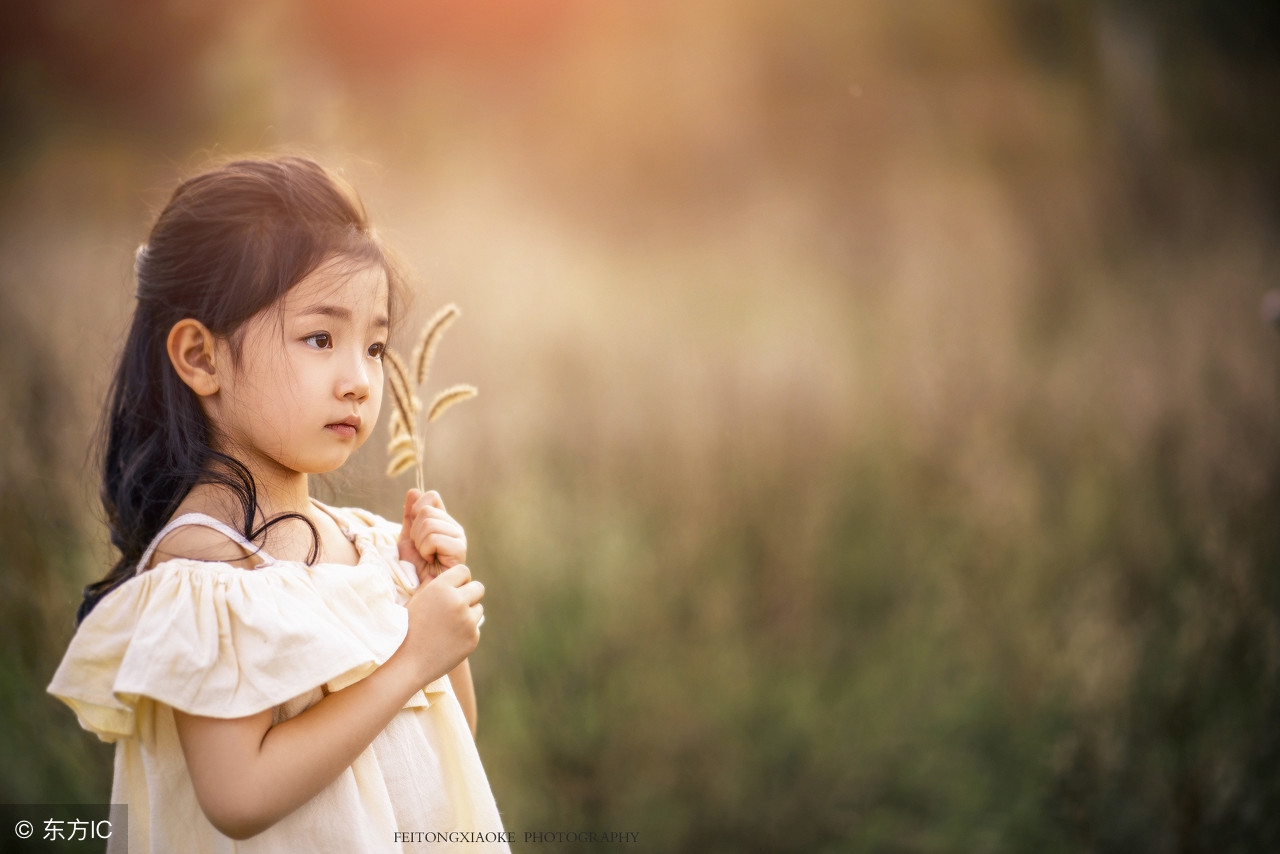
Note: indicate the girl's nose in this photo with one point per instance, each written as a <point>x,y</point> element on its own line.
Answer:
<point>354,382</point>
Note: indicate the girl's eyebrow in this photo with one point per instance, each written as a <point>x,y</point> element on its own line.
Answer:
<point>339,312</point>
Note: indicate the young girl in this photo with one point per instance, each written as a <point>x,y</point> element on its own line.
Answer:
<point>277,675</point>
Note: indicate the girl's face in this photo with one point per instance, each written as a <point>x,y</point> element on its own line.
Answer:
<point>307,387</point>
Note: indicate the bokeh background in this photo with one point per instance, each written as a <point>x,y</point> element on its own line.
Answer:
<point>877,440</point>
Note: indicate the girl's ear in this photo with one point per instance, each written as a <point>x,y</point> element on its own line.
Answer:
<point>192,350</point>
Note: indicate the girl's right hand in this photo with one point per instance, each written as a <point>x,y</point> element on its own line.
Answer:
<point>444,618</point>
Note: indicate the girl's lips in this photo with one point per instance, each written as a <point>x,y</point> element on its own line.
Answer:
<point>347,428</point>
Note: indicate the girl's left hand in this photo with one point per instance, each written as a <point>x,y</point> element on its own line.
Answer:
<point>430,538</point>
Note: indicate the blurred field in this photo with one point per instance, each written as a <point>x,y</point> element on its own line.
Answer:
<point>877,441</point>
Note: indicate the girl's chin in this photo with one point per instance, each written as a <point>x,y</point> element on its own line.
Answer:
<point>336,458</point>
<point>323,468</point>
<point>320,465</point>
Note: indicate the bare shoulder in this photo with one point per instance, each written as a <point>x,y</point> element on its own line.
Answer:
<point>199,542</point>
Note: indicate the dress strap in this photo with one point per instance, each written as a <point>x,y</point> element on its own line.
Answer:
<point>208,522</point>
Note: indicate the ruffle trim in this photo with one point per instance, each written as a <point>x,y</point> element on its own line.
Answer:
<point>221,641</point>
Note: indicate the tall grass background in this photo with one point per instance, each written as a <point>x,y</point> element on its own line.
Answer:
<point>877,440</point>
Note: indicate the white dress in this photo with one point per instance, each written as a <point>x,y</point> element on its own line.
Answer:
<point>221,641</point>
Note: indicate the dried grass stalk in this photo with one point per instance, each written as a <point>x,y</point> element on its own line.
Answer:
<point>402,463</point>
<point>405,447</point>
<point>401,389</point>
<point>431,334</point>
<point>401,443</point>
<point>398,425</point>
<point>448,397</point>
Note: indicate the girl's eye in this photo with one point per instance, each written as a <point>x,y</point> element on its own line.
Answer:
<point>321,340</point>
<point>376,350</point>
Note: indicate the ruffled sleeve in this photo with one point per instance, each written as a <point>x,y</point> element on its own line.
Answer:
<point>216,640</point>
<point>374,532</point>
<point>376,535</point>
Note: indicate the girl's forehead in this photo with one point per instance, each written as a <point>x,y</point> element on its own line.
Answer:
<point>359,289</point>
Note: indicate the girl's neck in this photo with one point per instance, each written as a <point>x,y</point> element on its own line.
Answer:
<point>277,491</point>
<point>277,495</point>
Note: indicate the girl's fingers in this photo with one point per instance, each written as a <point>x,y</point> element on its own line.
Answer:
<point>430,498</point>
<point>407,547</point>
<point>472,592</point>
<point>423,533</point>
<point>447,550</point>
<point>437,536</point>
<point>440,542</point>
<point>455,576</point>
<point>424,527</point>
<point>431,520</point>
<point>431,512</point>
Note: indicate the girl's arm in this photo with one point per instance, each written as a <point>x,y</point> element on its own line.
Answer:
<point>248,774</point>
<point>460,678</point>
<point>433,540</point>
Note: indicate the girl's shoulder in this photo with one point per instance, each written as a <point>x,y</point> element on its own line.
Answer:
<point>359,515</point>
<point>194,535</point>
<point>213,640</point>
<point>357,524</point>
<point>202,543</point>
<point>199,530</point>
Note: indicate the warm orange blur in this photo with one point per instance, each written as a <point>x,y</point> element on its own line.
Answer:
<point>877,438</point>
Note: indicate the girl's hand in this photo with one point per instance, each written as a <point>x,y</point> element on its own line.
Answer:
<point>430,538</point>
<point>444,623</point>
